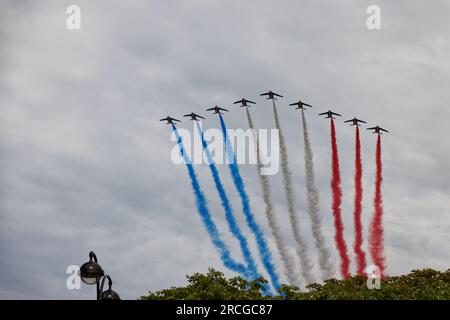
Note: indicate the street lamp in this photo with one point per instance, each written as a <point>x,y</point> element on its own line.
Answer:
<point>92,273</point>
<point>108,294</point>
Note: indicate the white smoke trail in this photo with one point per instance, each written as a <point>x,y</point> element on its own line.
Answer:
<point>325,263</point>
<point>289,267</point>
<point>305,261</point>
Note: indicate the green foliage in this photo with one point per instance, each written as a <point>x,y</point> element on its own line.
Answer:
<point>417,285</point>
<point>211,286</point>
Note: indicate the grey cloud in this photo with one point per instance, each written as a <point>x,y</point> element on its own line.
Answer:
<point>84,165</point>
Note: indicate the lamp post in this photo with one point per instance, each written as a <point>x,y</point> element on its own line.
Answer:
<point>92,273</point>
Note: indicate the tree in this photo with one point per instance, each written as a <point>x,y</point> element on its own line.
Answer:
<point>419,284</point>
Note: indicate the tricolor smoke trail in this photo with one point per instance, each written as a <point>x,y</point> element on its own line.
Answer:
<point>337,200</point>
<point>205,215</point>
<point>376,228</point>
<point>359,252</point>
<point>305,261</point>
<point>229,215</point>
<point>270,214</point>
<point>313,207</point>
<point>263,248</point>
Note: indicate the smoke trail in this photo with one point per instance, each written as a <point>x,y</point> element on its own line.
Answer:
<point>337,199</point>
<point>359,252</point>
<point>305,261</point>
<point>205,214</point>
<point>376,227</point>
<point>263,249</point>
<point>270,214</point>
<point>229,215</point>
<point>313,207</point>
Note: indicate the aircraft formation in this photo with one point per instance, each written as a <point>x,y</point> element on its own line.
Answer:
<point>273,96</point>
<point>375,230</point>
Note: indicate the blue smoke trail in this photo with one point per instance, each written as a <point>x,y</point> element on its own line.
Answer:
<point>264,251</point>
<point>229,215</point>
<point>206,215</point>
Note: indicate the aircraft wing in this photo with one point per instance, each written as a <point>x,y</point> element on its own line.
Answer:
<point>294,104</point>
<point>308,105</point>
<point>187,115</point>
<point>249,101</point>
<point>239,101</point>
<point>278,95</point>
<point>323,113</point>
<point>336,114</point>
<point>222,109</point>
<point>351,120</point>
<point>374,128</point>
<point>175,119</point>
<point>265,94</point>
<point>383,130</point>
<point>200,117</point>
<point>362,121</point>
<point>163,119</point>
<point>210,109</point>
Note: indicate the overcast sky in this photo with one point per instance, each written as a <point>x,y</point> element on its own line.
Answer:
<point>85,165</point>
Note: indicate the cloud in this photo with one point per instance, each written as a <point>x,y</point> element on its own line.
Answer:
<point>85,165</point>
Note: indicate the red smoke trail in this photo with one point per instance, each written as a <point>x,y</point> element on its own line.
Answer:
<point>376,227</point>
<point>360,255</point>
<point>337,200</point>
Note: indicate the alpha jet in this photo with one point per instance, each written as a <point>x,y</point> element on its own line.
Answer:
<point>329,114</point>
<point>244,102</point>
<point>170,120</point>
<point>355,122</point>
<point>300,105</point>
<point>193,116</point>
<point>217,110</point>
<point>271,95</point>
<point>377,129</point>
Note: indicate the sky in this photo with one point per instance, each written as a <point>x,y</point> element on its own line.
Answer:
<point>85,164</point>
